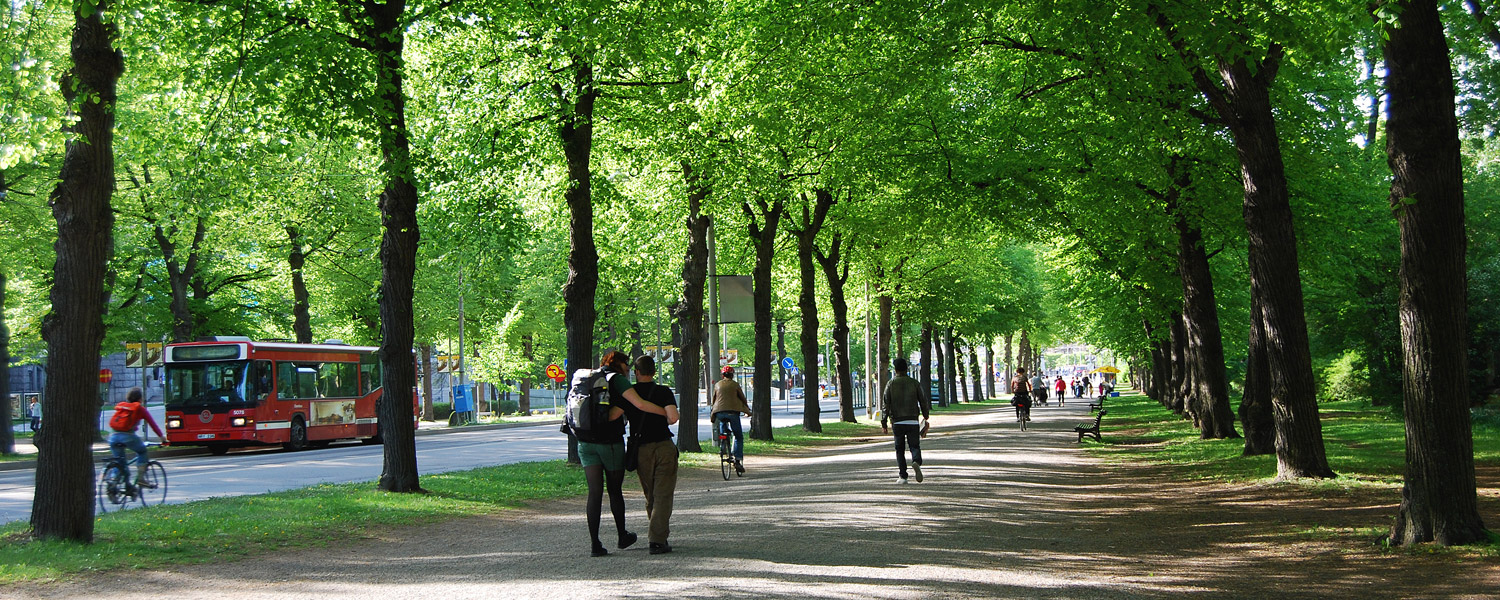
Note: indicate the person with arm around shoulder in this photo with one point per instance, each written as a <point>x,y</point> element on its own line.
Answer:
<point>128,416</point>
<point>603,455</point>
<point>657,465</point>
<point>727,406</point>
<point>903,404</point>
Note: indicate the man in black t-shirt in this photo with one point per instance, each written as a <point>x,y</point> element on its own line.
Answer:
<point>658,455</point>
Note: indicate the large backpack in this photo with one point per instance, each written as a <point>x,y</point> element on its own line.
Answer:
<point>124,419</point>
<point>588,407</point>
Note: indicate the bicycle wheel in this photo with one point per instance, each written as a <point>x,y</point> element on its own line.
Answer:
<point>156,475</point>
<point>724,459</point>
<point>111,488</point>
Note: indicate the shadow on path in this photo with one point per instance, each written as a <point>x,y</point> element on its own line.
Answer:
<point>1002,514</point>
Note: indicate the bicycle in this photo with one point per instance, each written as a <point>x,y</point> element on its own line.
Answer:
<point>726,458</point>
<point>116,488</point>
<point>1023,413</point>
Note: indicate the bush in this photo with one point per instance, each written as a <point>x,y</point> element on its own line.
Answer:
<point>441,410</point>
<point>1346,378</point>
<point>507,407</point>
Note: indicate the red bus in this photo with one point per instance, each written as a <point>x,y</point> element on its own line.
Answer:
<point>233,392</point>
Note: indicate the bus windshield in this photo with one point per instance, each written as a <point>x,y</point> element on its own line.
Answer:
<point>207,384</point>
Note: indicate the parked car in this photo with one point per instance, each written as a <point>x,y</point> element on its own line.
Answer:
<point>797,393</point>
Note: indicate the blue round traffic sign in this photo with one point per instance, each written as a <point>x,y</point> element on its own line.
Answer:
<point>786,363</point>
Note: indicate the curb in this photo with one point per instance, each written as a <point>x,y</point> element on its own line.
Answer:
<point>159,452</point>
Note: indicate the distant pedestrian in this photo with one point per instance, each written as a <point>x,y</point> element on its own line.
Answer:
<point>900,403</point>
<point>1085,387</point>
<point>1038,388</point>
<point>727,405</point>
<point>1062,389</point>
<point>657,454</point>
<point>36,415</point>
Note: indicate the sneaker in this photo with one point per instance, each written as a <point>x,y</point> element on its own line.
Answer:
<point>143,484</point>
<point>901,479</point>
<point>661,548</point>
<point>627,539</point>
<point>739,468</point>
<point>599,550</point>
<point>917,470</point>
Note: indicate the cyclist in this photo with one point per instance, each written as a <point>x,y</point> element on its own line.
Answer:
<point>1021,387</point>
<point>728,404</point>
<point>128,416</point>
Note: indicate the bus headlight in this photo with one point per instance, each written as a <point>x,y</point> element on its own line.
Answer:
<point>237,421</point>
<point>174,423</point>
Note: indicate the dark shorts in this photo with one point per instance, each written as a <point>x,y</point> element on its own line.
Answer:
<point>611,456</point>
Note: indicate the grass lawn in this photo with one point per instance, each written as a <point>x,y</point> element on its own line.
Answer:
<point>221,529</point>
<point>1365,445</point>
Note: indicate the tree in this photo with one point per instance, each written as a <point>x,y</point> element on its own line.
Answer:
<point>1242,99</point>
<point>63,506</point>
<point>806,234</point>
<point>1438,497</point>
<point>762,220</point>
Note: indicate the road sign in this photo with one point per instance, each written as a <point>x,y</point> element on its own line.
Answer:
<point>105,375</point>
<point>554,372</point>
<point>786,363</point>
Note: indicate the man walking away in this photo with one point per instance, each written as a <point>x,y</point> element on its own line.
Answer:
<point>658,455</point>
<point>902,401</point>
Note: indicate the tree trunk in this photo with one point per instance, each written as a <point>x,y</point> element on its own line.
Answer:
<point>1274,273</point>
<point>974,373</point>
<point>1010,371</point>
<point>523,381</point>
<point>7,434</point>
<point>689,312</point>
<point>836,280</point>
<point>296,259</point>
<point>577,135</point>
<point>180,276</point>
<point>1438,498</point>
<point>989,369</point>
<point>882,343</point>
<point>959,373</point>
<point>763,231</point>
<point>939,358</point>
<point>1255,407</point>
<point>1200,318</point>
<point>807,303</point>
<point>925,370</point>
<point>1178,385</point>
<point>950,368</point>
<point>398,252</point>
<point>63,503</point>
<point>1244,103</point>
<point>425,356</point>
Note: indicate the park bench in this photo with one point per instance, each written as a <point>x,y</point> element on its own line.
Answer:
<point>1093,406</point>
<point>1084,429</point>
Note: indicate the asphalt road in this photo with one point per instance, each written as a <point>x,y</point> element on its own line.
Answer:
<point>259,471</point>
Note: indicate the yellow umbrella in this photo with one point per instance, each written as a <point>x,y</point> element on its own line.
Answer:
<point>1105,369</point>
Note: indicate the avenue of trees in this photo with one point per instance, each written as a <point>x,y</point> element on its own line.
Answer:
<point>1261,205</point>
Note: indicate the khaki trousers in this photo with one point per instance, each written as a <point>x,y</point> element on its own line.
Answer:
<point>658,471</point>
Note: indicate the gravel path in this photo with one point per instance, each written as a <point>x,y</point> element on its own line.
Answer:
<point>1002,514</point>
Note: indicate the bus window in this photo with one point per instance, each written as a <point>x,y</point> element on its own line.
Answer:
<point>286,381</point>
<point>260,381</point>
<point>337,380</point>
<point>307,380</point>
<point>369,374</point>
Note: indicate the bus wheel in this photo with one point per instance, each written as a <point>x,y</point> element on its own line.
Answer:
<point>218,450</point>
<point>299,436</point>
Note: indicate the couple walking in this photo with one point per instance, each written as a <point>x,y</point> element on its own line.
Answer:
<point>650,408</point>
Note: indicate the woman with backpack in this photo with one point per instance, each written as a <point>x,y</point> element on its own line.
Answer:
<point>596,401</point>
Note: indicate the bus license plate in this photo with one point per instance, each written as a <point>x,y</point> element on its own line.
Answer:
<point>205,436</point>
